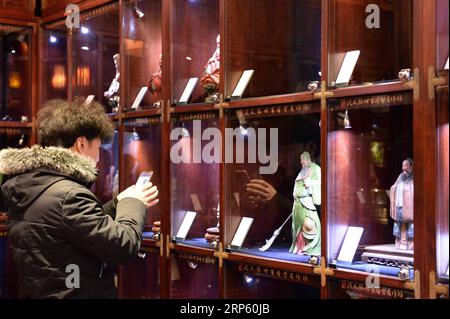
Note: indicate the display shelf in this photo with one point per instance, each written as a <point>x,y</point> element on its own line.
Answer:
<point>16,51</point>
<point>193,276</point>
<point>375,133</point>
<point>285,59</point>
<point>195,51</point>
<point>360,25</point>
<point>189,192</point>
<point>142,49</point>
<point>141,153</point>
<point>94,56</point>
<point>268,184</point>
<point>259,282</point>
<point>143,272</point>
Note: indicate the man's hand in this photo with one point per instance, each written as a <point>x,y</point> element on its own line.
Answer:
<point>147,194</point>
<point>260,192</point>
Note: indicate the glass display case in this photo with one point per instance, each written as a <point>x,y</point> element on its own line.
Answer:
<point>195,51</point>
<point>279,40</point>
<point>140,279</point>
<point>106,186</point>
<point>95,56</point>
<point>54,69</point>
<point>142,153</point>
<point>357,30</point>
<point>442,52</point>
<point>370,184</point>
<point>193,276</point>
<point>274,155</point>
<point>15,73</point>
<point>195,177</point>
<point>244,281</point>
<point>442,185</point>
<point>142,27</point>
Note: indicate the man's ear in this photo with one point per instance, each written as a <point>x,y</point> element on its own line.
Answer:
<point>80,144</point>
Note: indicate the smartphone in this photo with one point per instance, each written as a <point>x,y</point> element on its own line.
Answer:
<point>144,178</point>
<point>243,175</point>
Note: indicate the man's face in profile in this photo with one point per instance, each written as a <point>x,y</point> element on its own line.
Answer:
<point>305,162</point>
<point>406,167</point>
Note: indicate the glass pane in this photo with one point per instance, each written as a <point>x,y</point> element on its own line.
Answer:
<point>140,278</point>
<point>195,181</point>
<point>95,56</point>
<point>142,152</point>
<point>442,184</point>
<point>370,184</point>
<point>380,30</point>
<point>196,49</point>
<point>142,22</point>
<point>278,39</point>
<point>53,72</point>
<point>107,183</point>
<point>244,281</point>
<point>262,188</point>
<point>193,276</point>
<point>15,73</point>
<point>442,33</point>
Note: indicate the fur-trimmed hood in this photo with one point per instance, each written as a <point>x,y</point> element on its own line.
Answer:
<point>61,160</point>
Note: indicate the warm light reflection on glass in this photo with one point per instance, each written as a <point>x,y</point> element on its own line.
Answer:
<point>14,80</point>
<point>59,77</point>
<point>83,76</point>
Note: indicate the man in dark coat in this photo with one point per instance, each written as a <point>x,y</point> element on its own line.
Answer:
<point>65,244</point>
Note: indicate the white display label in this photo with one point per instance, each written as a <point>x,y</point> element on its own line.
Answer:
<point>350,244</point>
<point>188,90</point>
<point>139,97</point>
<point>89,99</point>
<point>186,225</point>
<point>241,232</point>
<point>242,84</point>
<point>347,67</point>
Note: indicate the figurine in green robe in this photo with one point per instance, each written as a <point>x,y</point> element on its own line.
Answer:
<point>305,218</point>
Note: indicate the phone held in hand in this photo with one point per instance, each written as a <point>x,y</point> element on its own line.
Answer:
<point>144,178</point>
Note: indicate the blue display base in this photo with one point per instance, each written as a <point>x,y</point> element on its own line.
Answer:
<point>382,270</point>
<point>196,242</point>
<point>148,235</point>
<point>275,252</point>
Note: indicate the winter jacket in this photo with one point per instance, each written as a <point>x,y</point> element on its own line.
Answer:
<point>57,226</point>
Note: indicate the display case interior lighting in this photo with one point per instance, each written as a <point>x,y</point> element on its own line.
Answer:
<point>53,39</point>
<point>138,11</point>
<point>135,134</point>
<point>347,123</point>
<point>84,30</point>
<point>85,48</point>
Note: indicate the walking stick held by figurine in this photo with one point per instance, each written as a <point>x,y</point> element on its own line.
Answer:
<point>277,231</point>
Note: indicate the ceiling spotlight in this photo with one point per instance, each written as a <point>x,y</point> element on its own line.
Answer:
<point>85,48</point>
<point>84,30</point>
<point>248,279</point>
<point>347,124</point>
<point>13,51</point>
<point>138,11</point>
<point>53,39</point>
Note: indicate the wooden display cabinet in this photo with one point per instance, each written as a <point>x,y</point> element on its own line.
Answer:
<point>280,40</point>
<point>142,46</point>
<point>195,30</point>
<point>195,184</point>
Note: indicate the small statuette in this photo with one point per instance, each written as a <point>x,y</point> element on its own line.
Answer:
<point>403,273</point>
<point>405,75</point>
<point>156,229</point>
<point>314,260</point>
<point>314,86</point>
